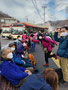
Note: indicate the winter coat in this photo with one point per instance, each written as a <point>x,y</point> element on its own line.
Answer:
<point>24,36</point>
<point>35,41</point>
<point>20,50</point>
<point>35,82</point>
<point>63,46</point>
<point>17,60</point>
<point>17,42</point>
<point>47,43</point>
<point>12,72</point>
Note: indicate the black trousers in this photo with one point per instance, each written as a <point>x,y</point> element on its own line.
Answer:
<point>47,55</point>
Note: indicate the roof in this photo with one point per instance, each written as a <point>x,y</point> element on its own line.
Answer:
<point>33,25</point>
<point>27,24</point>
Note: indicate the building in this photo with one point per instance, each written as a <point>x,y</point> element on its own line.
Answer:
<point>10,20</point>
<point>6,19</point>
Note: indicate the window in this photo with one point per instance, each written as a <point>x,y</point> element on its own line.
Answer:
<point>2,20</point>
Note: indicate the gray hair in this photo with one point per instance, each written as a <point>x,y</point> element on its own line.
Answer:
<point>3,50</point>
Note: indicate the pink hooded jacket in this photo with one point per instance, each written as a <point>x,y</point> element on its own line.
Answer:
<point>47,43</point>
<point>24,36</point>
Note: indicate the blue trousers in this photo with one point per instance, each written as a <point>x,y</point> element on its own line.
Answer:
<point>32,47</point>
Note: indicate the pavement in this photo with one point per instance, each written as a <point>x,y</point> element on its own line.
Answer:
<point>40,60</point>
<point>53,63</point>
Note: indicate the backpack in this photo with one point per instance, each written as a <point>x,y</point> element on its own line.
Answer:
<point>59,73</point>
<point>31,57</point>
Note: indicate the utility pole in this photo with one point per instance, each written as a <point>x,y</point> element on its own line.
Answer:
<point>44,7</point>
<point>26,19</point>
<point>66,13</point>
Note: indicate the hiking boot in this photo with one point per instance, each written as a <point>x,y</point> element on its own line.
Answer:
<point>46,65</point>
<point>55,56</point>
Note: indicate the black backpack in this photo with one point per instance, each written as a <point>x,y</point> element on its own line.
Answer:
<point>60,75</point>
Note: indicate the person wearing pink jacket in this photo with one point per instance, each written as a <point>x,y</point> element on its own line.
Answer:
<point>47,47</point>
<point>24,36</point>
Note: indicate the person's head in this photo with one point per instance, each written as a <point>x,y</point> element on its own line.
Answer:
<point>64,31</point>
<point>6,53</point>
<point>32,35</point>
<point>31,32</point>
<point>12,47</point>
<point>59,29</point>
<point>39,31</point>
<point>25,33</point>
<point>24,44</point>
<point>18,37</point>
<point>51,78</point>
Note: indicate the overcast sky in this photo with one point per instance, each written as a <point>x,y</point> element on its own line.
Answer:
<point>23,9</point>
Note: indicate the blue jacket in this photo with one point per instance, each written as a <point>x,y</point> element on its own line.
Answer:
<point>17,42</point>
<point>63,46</point>
<point>20,50</point>
<point>17,60</point>
<point>35,82</point>
<point>12,72</point>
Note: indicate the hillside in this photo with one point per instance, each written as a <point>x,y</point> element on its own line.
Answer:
<point>3,15</point>
<point>59,23</point>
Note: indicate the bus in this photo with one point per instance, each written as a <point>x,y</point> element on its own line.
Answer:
<point>6,30</point>
<point>30,27</point>
<point>19,28</point>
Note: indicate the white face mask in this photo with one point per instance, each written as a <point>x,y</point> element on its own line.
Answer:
<point>24,34</point>
<point>10,55</point>
<point>40,37</point>
<point>19,38</point>
<point>12,49</point>
<point>64,34</point>
<point>24,44</point>
<point>22,56</point>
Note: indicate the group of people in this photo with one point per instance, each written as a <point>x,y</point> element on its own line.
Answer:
<point>18,69</point>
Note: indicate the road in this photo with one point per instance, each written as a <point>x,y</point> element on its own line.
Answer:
<point>5,42</point>
<point>39,56</point>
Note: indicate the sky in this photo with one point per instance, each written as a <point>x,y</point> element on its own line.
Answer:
<point>32,11</point>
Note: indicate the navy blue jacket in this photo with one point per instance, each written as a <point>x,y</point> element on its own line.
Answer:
<point>12,72</point>
<point>35,82</point>
<point>63,46</point>
<point>17,60</point>
<point>20,50</point>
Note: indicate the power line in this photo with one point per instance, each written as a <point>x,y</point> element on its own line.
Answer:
<point>35,5</point>
<point>37,8</point>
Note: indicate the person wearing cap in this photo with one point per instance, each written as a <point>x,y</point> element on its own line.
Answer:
<point>62,51</point>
